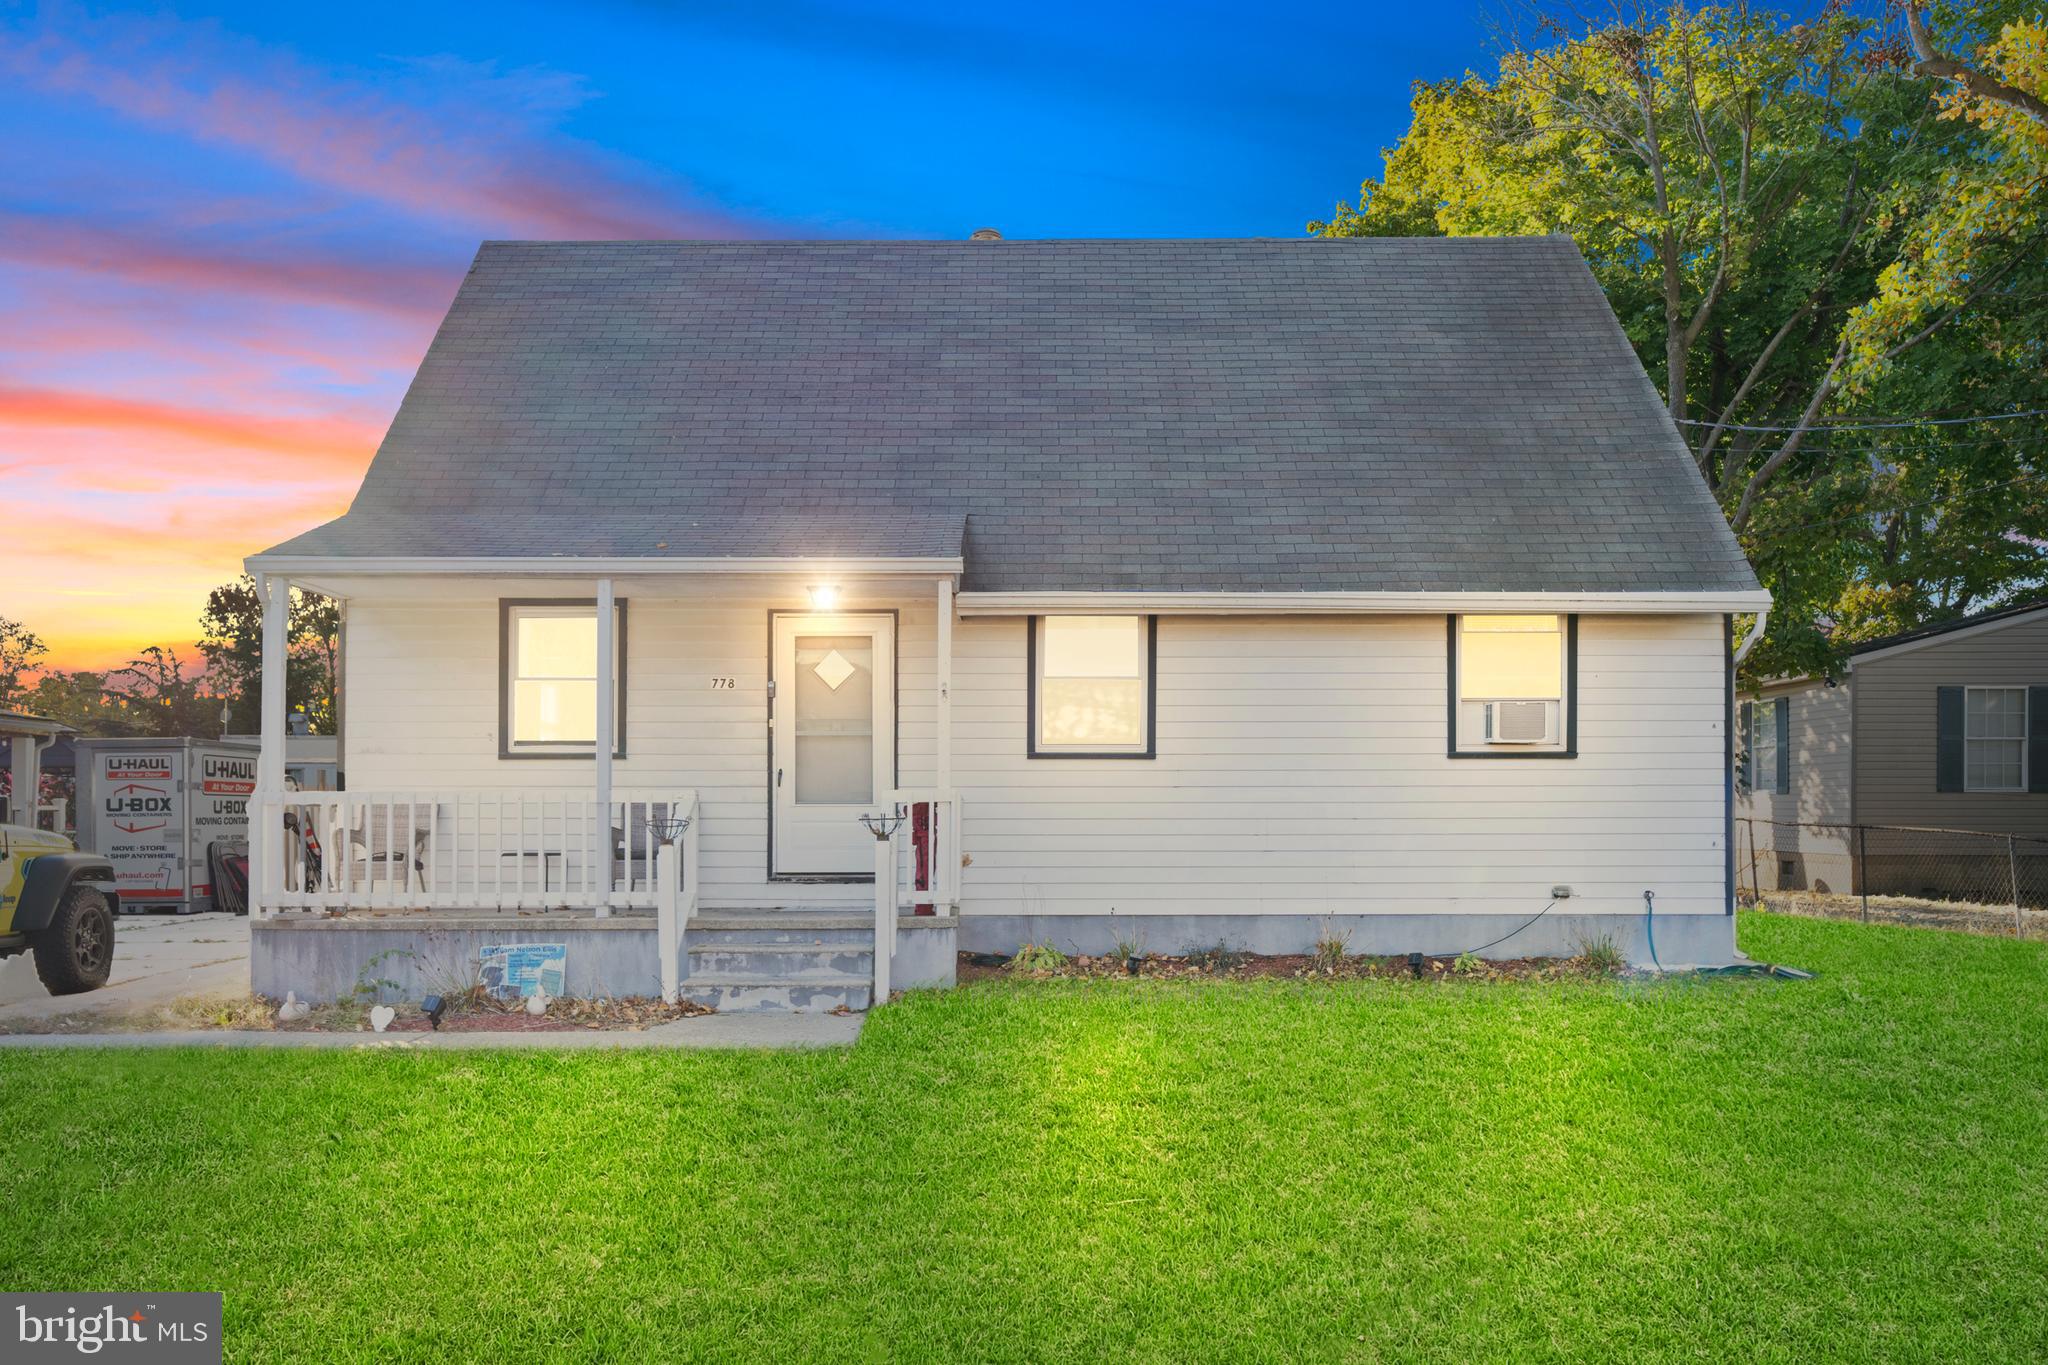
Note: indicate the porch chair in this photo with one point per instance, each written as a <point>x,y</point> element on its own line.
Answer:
<point>634,847</point>
<point>375,839</point>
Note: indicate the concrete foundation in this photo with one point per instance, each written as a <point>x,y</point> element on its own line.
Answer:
<point>927,953</point>
<point>1682,940</point>
<point>324,959</point>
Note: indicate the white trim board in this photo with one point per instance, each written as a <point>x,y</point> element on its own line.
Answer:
<point>593,566</point>
<point>1345,603</point>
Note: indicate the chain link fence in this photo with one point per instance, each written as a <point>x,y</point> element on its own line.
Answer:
<point>1949,878</point>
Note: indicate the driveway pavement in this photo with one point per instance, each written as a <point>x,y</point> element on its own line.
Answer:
<point>157,958</point>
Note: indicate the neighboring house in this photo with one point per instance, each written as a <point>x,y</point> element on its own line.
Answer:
<point>1189,592</point>
<point>1942,728</point>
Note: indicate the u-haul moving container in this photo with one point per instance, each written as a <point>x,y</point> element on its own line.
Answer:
<point>151,807</point>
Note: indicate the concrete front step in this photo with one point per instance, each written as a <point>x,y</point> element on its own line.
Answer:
<point>737,960</point>
<point>740,995</point>
<point>778,961</point>
<point>722,932</point>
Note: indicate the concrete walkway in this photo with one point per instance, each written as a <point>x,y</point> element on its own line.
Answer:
<point>157,959</point>
<point>704,1031</point>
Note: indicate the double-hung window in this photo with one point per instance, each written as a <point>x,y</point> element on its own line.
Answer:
<point>1091,686</point>
<point>1766,765</point>
<point>1995,739</point>
<point>549,684</point>
<point>1511,686</point>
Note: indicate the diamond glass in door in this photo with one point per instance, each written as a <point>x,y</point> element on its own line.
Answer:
<point>835,719</point>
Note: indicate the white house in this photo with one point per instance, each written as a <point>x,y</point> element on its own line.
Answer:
<point>1178,592</point>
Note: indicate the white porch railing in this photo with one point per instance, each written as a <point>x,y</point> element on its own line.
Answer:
<point>927,850</point>
<point>471,850</point>
<point>676,892</point>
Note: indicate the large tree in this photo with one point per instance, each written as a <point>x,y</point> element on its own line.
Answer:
<point>1744,188</point>
<point>232,642</point>
<point>21,650</point>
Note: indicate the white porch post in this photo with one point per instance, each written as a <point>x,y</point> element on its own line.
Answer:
<point>607,737</point>
<point>27,769</point>
<point>944,775</point>
<point>266,848</point>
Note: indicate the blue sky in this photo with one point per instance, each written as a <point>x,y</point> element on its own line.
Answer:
<point>226,233</point>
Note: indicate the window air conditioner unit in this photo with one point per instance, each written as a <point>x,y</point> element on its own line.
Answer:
<point>1518,722</point>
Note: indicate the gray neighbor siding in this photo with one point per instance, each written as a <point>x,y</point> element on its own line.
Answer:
<point>1819,722</point>
<point>1895,694</point>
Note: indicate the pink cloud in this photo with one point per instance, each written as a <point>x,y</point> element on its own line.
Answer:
<point>150,256</point>
<point>485,167</point>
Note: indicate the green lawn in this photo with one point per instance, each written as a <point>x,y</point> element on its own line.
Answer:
<point>1849,1168</point>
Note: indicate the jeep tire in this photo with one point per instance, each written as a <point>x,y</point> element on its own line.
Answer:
<point>75,951</point>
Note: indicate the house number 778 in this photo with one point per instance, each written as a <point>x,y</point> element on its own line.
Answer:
<point>721,684</point>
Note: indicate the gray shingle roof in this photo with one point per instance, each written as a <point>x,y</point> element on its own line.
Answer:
<point>1389,414</point>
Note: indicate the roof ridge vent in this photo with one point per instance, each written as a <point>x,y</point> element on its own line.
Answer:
<point>984,235</point>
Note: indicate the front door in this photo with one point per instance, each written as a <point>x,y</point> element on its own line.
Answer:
<point>832,744</point>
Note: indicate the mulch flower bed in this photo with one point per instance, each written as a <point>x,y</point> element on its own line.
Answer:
<point>255,1012</point>
<point>491,1016</point>
<point>1231,966</point>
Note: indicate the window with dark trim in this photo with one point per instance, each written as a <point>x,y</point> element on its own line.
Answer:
<point>1091,686</point>
<point>547,678</point>
<point>1765,766</point>
<point>1995,739</point>
<point>1512,688</point>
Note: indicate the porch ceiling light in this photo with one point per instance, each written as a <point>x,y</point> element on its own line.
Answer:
<point>824,596</point>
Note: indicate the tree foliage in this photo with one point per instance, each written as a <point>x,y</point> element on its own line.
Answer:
<point>1762,201</point>
<point>232,641</point>
<point>21,650</point>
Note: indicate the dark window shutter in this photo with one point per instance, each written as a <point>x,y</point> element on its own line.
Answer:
<point>1781,715</point>
<point>2037,739</point>
<point>1747,754</point>
<point>1948,739</point>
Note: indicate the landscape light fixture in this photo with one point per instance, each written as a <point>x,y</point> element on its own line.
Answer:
<point>824,596</point>
<point>434,1007</point>
<point>1415,965</point>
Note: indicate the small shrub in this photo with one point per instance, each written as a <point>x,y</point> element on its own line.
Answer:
<point>1468,963</point>
<point>1130,942</point>
<point>1038,957</point>
<point>1219,959</point>
<point>1332,948</point>
<point>1601,956</point>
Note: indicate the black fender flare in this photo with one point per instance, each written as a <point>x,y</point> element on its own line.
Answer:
<point>49,876</point>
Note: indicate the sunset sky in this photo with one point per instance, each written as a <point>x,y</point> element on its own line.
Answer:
<point>226,235</point>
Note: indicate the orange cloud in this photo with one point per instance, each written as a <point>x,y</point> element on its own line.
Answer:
<point>337,444</point>
<point>99,583</point>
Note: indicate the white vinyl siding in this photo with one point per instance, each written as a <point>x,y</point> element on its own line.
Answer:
<point>1301,767</point>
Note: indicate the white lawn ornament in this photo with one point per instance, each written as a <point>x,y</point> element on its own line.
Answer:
<point>381,1017</point>
<point>538,1002</point>
<point>293,1009</point>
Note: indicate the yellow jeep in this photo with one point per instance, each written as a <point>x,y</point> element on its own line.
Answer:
<point>56,903</point>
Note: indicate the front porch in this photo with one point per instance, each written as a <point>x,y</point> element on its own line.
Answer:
<point>399,894</point>
<point>694,830</point>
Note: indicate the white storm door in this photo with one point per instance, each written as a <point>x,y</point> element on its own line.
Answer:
<point>833,745</point>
